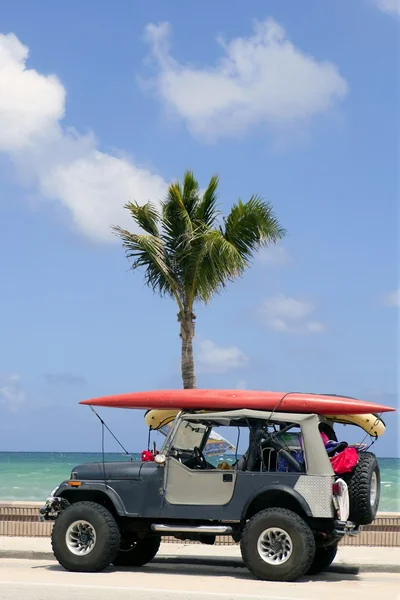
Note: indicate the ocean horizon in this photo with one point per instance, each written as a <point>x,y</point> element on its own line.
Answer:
<point>30,476</point>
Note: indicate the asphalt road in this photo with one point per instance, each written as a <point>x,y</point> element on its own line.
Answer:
<point>171,579</point>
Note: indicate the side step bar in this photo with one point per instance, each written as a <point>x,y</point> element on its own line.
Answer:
<point>213,529</point>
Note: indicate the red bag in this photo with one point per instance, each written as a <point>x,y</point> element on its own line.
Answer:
<point>147,456</point>
<point>345,461</point>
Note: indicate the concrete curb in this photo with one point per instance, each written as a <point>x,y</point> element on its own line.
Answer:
<point>26,555</point>
<point>214,561</point>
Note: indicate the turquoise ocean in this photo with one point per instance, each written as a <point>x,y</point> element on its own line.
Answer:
<point>32,475</point>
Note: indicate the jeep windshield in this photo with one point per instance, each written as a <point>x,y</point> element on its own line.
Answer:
<point>189,435</point>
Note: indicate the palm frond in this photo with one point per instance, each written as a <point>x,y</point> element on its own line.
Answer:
<point>190,195</point>
<point>174,210</point>
<point>206,211</point>
<point>176,221</point>
<point>251,226</point>
<point>147,251</point>
<point>146,216</point>
<point>212,264</point>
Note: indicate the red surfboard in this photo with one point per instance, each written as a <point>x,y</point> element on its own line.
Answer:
<point>203,399</point>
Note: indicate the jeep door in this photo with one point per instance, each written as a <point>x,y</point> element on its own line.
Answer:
<point>191,481</point>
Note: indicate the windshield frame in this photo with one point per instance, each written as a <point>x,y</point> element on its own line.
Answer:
<point>171,434</point>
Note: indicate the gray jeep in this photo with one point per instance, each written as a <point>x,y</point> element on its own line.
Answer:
<point>281,499</point>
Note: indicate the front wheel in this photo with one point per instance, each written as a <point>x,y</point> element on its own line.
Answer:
<point>323,558</point>
<point>138,553</point>
<point>277,545</point>
<point>85,537</point>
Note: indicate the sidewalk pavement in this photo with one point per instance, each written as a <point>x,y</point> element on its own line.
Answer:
<point>364,558</point>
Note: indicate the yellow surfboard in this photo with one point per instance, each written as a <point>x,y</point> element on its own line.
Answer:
<point>159,417</point>
<point>370,423</point>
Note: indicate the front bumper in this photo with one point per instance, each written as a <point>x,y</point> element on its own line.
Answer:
<point>52,507</point>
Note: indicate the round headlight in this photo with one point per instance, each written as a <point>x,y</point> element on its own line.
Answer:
<point>160,459</point>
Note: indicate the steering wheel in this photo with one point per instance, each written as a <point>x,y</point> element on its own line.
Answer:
<point>200,457</point>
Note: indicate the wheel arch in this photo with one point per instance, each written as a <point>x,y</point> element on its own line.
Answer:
<point>98,494</point>
<point>279,496</point>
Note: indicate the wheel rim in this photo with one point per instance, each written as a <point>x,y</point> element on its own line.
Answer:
<point>80,538</point>
<point>374,489</point>
<point>275,546</point>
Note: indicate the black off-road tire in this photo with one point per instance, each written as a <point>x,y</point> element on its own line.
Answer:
<point>142,552</point>
<point>362,512</point>
<point>302,539</point>
<point>323,558</point>
<point>107,542</point>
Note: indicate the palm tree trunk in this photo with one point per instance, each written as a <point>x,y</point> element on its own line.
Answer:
<point>187,358</point>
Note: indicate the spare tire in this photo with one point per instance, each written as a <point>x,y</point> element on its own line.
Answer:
<point>364,489</point>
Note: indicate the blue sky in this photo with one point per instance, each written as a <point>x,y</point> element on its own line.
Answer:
<point>297,102</point>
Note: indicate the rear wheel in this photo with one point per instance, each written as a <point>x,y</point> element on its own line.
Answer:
<point>85,537</point>
<point>277,545</point>
<point>323,558</point>
<point>364,489</point>
<point>138,553</point>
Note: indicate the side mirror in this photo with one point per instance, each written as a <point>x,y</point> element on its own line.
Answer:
<point>160,459</point>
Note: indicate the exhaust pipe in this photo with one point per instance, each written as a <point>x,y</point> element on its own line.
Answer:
<point>211,529</point>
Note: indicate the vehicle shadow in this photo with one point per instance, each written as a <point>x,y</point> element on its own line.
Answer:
<point>217,567</point>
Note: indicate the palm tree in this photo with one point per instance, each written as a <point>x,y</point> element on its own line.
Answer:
<point>187,255</point>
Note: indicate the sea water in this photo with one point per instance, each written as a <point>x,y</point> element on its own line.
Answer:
<point>32,475</point>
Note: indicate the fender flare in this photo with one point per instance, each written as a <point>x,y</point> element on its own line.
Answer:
<point>108,491</point>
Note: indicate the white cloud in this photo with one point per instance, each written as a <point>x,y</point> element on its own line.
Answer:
<point>274,256</point>
<point>12,395</point>
<point>96,186</point>
<point>60,163</point>
<point>218,359</point>
<point>391,7</point>
<point>282,313</point>
<point>262,79</point>
<point>31,104</point>
<point>393,299</point>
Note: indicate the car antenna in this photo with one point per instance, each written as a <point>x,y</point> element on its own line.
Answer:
<point>103,424</point>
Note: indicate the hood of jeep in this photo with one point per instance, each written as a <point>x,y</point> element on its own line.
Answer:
<point>97,471</point>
